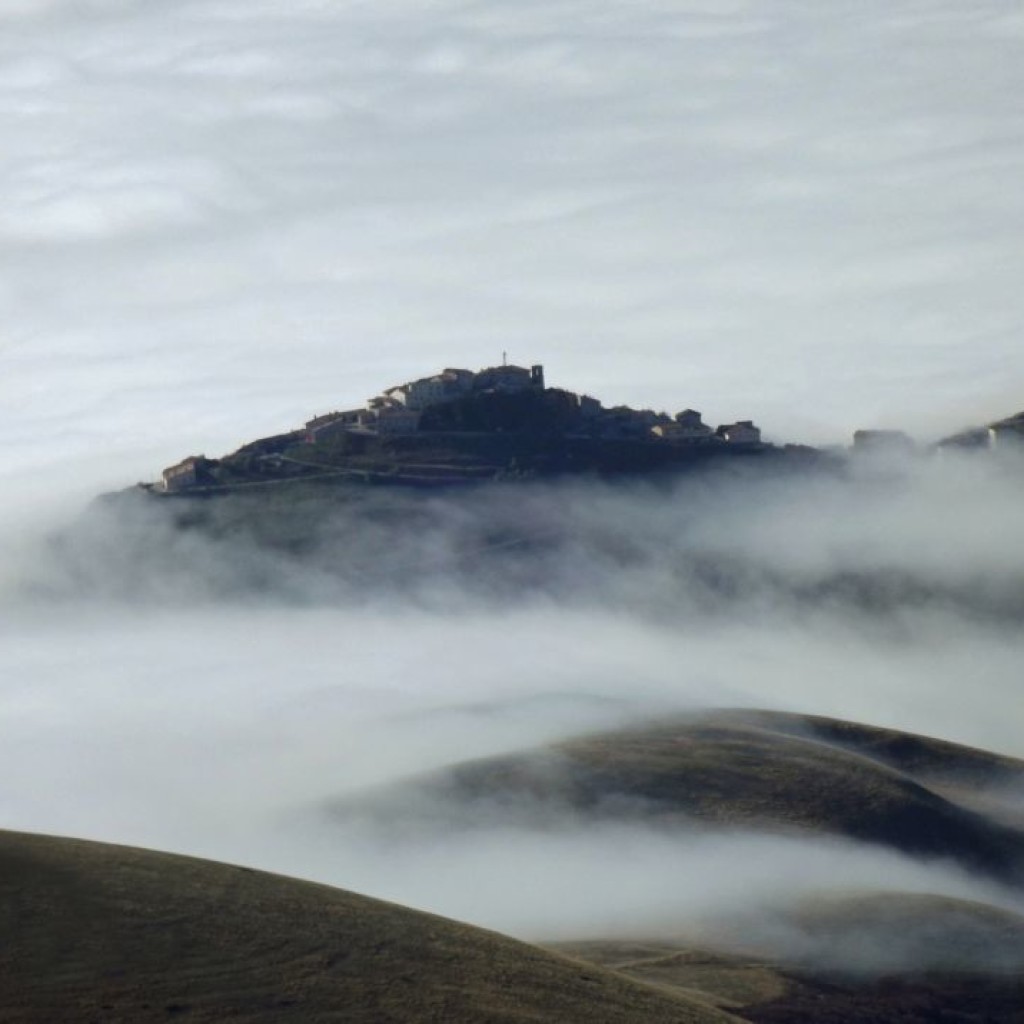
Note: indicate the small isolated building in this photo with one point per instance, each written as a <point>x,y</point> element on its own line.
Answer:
<point>741,432</point>
<point>185,474</point>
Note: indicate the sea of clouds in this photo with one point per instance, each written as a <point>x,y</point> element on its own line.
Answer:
<point>220,217</point>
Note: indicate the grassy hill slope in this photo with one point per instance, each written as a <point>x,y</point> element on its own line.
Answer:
<point>732,769</point>
<point>872,958</point>
<point>92,932</point>
<point>930,761</point>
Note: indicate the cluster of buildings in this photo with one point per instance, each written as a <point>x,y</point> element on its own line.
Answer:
<point>398,410</point>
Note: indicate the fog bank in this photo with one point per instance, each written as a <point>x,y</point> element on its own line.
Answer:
<point>208,687</point>
<point>224,216</point>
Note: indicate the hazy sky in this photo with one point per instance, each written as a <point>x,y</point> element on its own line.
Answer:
<point>222,216</point>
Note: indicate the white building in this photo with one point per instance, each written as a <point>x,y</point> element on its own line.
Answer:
<point>427,391</point>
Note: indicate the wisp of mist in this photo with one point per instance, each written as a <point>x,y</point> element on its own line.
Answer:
<point>206,676</point>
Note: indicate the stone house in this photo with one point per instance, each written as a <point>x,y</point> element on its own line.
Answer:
<point>741,432</point>
<point>185,474</point>
<point>397,419</point>
<point>686,426</point>
<point>427,391</point>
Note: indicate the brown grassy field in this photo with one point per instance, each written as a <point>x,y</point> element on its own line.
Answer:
<point>861,958</point>
<point>866,959</point>
<point>763,992</point>
<point>91,932</point>
<point>969,772</point>
<point>860,934</point>
<point>768,771</point>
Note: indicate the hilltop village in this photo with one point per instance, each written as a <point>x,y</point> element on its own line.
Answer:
<point>458,426</point>
<point>504,423</point>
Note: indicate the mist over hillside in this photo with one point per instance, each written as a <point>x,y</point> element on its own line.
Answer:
<point>871,541</point>
<point>205,675</point>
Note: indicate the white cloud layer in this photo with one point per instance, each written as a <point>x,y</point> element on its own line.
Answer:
<point>214,692</point>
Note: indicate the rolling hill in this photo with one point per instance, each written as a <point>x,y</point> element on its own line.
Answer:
<point>92,932</point>
<point>865,959</point>
<point>732,769</point>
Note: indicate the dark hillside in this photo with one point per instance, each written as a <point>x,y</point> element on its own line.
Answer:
<point>91,932</point>
<point>927,759</point>
<point>873,958</point>
<point>720,772</point>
